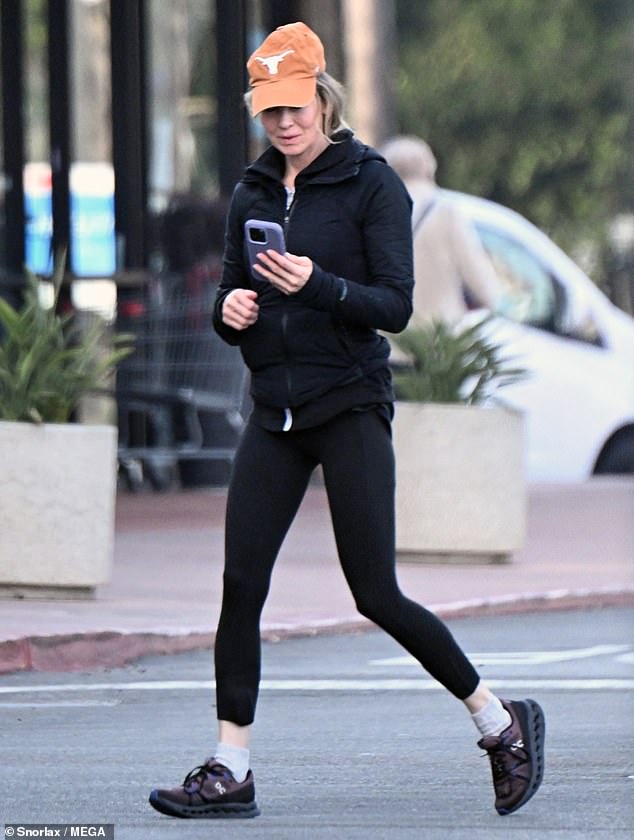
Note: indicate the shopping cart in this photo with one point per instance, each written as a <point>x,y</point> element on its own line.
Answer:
<point>180,374</point>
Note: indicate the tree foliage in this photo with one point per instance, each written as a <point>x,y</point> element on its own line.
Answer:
<point>526,102</point>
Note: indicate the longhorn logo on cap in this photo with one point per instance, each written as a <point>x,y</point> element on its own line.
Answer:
<point>272,62</point>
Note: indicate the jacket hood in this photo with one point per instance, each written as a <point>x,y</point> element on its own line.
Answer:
<point>339,161</point>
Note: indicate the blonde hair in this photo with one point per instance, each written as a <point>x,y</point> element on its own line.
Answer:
<point>332,96</point>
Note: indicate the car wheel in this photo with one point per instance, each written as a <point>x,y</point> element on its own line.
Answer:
<point>617,457</point>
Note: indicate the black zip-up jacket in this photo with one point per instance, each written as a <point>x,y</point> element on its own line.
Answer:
<point>317,352</point>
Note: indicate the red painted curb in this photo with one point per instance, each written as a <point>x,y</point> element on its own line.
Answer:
<point>99,650</point>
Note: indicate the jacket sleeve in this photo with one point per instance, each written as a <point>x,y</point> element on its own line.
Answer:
<point>234,275</point>
<point>384,302</point>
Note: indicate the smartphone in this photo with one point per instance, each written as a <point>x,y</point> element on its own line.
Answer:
<point>261,235</point>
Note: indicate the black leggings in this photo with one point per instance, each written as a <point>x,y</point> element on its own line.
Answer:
<point>270,475</point>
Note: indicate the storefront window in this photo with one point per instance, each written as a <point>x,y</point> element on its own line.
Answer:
<point>91,177</point>
<point>182,105</point>
<point>183,183</point>
<point>37,170</point>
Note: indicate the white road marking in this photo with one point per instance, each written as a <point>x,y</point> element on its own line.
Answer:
<point>351,685</point>
<point>528,657</point>
<point>59,704</point>
<point>601,684</point>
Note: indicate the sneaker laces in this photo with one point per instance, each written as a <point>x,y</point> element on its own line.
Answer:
<point>506,759</point>
<point>195,779</point>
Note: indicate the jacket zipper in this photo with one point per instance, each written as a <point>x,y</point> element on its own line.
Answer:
<point>288,212</point>
<point>288,414</point>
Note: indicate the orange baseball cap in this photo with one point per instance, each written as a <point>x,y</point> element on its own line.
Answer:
<point>283,70</point>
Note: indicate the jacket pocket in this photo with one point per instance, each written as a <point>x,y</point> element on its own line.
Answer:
<point>315,337</point>
<point>261,343</point>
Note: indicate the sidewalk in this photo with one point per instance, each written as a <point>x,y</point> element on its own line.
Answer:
<point>165,591</point>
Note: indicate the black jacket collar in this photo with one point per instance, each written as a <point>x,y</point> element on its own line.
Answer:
<point>339,161</point>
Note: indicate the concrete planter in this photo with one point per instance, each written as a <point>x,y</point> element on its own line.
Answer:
<point>460,492</point>
<point>57,498</point>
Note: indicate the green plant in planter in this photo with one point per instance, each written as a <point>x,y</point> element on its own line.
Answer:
<point>449,365</point>
<point>47,364</point>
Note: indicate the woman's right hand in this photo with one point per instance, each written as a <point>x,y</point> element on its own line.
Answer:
<point>240,309</point>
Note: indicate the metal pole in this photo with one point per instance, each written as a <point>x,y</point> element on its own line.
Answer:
<point>129,130</point>
<point>11,47</point>
<point>280,12</point>
<point>59,123</point>
<point>232,114</point>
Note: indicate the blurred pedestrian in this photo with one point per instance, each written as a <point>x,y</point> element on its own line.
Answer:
<point>452,271</point>
<point>306,321</point>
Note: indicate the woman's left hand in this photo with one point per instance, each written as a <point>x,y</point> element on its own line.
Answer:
<point>286,272</point>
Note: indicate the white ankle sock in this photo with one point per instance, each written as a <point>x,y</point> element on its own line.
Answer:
<point>236,759</point>
<point>492,719</point>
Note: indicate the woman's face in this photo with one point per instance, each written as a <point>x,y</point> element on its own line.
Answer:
<point>296,132</point>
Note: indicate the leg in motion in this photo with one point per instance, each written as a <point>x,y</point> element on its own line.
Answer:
<point>359,478</point>
<point>268,482</point>
<point>358,464</point>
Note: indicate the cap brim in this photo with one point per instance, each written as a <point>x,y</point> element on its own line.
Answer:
<point>285,93</point>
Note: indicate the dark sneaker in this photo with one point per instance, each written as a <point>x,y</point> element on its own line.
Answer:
<point>517,755</point>
<point>208,792</point>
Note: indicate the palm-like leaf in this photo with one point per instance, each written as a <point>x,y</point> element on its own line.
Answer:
<point>46,363</point>
<point>452,365</point>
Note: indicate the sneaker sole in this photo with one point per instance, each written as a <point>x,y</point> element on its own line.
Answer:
<point>535,727</point>
<point>227,810</point>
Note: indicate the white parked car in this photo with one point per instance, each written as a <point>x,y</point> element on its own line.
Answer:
<point>576,345</point>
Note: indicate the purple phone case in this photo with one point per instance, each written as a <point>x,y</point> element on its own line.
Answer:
<point>262,235</point>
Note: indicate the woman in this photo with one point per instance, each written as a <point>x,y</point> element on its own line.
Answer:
<point>306,321</point>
